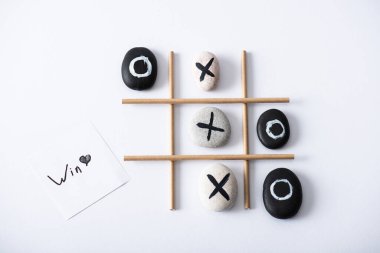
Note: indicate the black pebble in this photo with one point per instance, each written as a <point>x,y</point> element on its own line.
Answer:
<point>141,79</point>
<point>276,140</point>
<point>286,208</point>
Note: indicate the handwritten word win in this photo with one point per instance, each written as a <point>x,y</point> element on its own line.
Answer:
<point>77,170</point>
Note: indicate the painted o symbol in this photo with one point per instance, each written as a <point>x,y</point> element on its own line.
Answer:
<point>269,132</point>
<point>148,68</point>
<point>274,195</point>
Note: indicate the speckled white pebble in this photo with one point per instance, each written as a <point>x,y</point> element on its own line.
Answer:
<point>210,128</point>
<point>212,197</point>
<point>206,70</point>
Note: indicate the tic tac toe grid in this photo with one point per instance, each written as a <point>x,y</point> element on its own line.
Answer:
<point>172,157</point>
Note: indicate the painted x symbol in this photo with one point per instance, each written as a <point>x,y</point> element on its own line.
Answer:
<point>205,69</point>
<point>210,127</point>
<point>219,186</point>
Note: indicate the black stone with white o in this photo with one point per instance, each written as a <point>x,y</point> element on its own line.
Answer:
<point>139,68</point>
<point>273,129</point>
<point>282,193</point>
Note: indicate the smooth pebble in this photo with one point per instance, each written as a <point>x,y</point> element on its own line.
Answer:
<point>217,187</point>
<point>282,193</point>
<point>139,68</point>
<point>206,70</point>
<point>210,127</point>
<point>273,129</point>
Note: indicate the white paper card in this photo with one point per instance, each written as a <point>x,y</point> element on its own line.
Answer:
<point>78,170</point>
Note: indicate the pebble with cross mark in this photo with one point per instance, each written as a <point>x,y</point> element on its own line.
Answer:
<point>217,187</point>
<point>206,70</point>
<point>210,127</point>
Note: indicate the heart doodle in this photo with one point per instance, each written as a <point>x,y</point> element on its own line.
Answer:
<point>85,159</point>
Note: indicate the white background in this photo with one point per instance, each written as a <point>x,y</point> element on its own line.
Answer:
<point>60,61</point>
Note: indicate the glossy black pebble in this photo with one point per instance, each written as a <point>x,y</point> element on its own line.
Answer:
<point>282,193</point>
<point>139,68</point>
<point>273,129</point>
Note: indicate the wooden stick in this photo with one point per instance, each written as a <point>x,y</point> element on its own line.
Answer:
<point>247,197</point>
<point>202,100</point>
<point>172,131</point>
<point>207,157</point>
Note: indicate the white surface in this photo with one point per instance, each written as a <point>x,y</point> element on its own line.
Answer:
<point>61,60</point>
